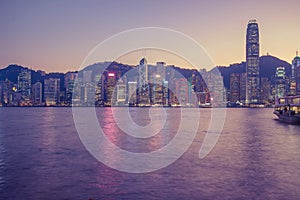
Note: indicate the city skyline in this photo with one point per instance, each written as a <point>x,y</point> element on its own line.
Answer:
<point>56,36</point>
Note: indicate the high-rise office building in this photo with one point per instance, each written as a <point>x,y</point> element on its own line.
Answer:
<point>8,89</point>
<point>69,83</point>
<point>280,83</point>
<point>295,78</point>
<point>265,96</point>
<point>237,87</point>
<point>37,94</point>
<point>143,83</point>
<point>51,91</point>
<point>110,83</point>
<point>132,93</point>
<point>182,91</point>
<point>158,84</point>
<point>243,77</point>
<point>121,94</point>
<point>234,88</point>
<point>24,84</point>
<point>252,63</point>
<point>99,89</point>
<point>87,76</point>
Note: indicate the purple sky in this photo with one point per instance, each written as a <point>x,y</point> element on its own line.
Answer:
<point>57,35</point>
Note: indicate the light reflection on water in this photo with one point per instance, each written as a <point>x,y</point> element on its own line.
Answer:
<point>42,157</point>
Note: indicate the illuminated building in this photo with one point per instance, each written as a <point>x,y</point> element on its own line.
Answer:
<point>143,83</point>
<point>24,84</point>
<point>110,83</point>
<point>69,83</point>
<point>280,83</point>
<point>215,86</point>
<point>121,94</point>
<point>159,83</point>
<point>37,94</point>
<point>99,89</point>
<point>88,94</point>
<point>265,95</point>
<point>234,88</point>
<point>87,76</point>
<point>7,92</point>
<point>252,63</point>
<point>182,91</point>
<point>237,87</point>
<point>166,93</point>
<point>243,86</point>
<point>132,92</point>
<point>51,91</point>
<point>295,78</point>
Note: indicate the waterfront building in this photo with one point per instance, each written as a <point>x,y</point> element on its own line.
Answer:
<point>266,97</point>
<point>8,88</point>
<point>252,63</point>
<point>143,83</point>
<point>121,94</point>
<point>88,94</point>
<point>24,85</point>
<point>52,91</point>
<point>99,89</point>
<point>295,78</point>
<point>132,93</point>
<point>182,91</point>
<point>69,83</point>
<point>37,94</point>
<point>234,88</point>
<point>110,83</point>
<point>280,83</point>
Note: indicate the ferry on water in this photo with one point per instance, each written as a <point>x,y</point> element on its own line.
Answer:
<point>287,109</point>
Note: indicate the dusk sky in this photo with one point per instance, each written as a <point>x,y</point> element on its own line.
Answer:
<point>58,35</point>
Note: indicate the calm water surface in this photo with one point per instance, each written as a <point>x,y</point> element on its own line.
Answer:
<point>42,157</point>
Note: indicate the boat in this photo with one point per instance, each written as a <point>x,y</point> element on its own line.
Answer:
<point>287,109</point>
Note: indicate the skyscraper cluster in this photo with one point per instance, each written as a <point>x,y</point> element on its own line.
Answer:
<point>141,85</point>
<point>251,88</point>
<point>154,85</point>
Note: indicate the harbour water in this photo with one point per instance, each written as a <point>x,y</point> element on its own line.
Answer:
<point>42,157</point>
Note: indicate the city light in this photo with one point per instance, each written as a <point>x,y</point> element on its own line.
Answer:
<point>111,74</point>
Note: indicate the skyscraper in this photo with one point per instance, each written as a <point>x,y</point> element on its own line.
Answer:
<point>252,63</point>
<point>295,79</point>
<point>160,77</point>
<point>280,83</point>
<point>37,93</point>
<point>143,84</point>
<point>110,83</point>
<point>51,91</point>
<point>132,93</point>
<point>24,84</point>
<point>234,88</point>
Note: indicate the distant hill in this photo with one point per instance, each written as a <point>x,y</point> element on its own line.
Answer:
<point>268,65</point>
<point>12,71</point>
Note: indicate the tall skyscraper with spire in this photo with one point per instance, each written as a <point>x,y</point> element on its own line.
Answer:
<point>252,63</point>
<point>143,84</point>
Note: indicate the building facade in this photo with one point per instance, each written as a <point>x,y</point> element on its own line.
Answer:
<point>24,85</point>
<point>280,83</point>
<point>252,63</point>
<point>295,78</point>
<point>51,91</point>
